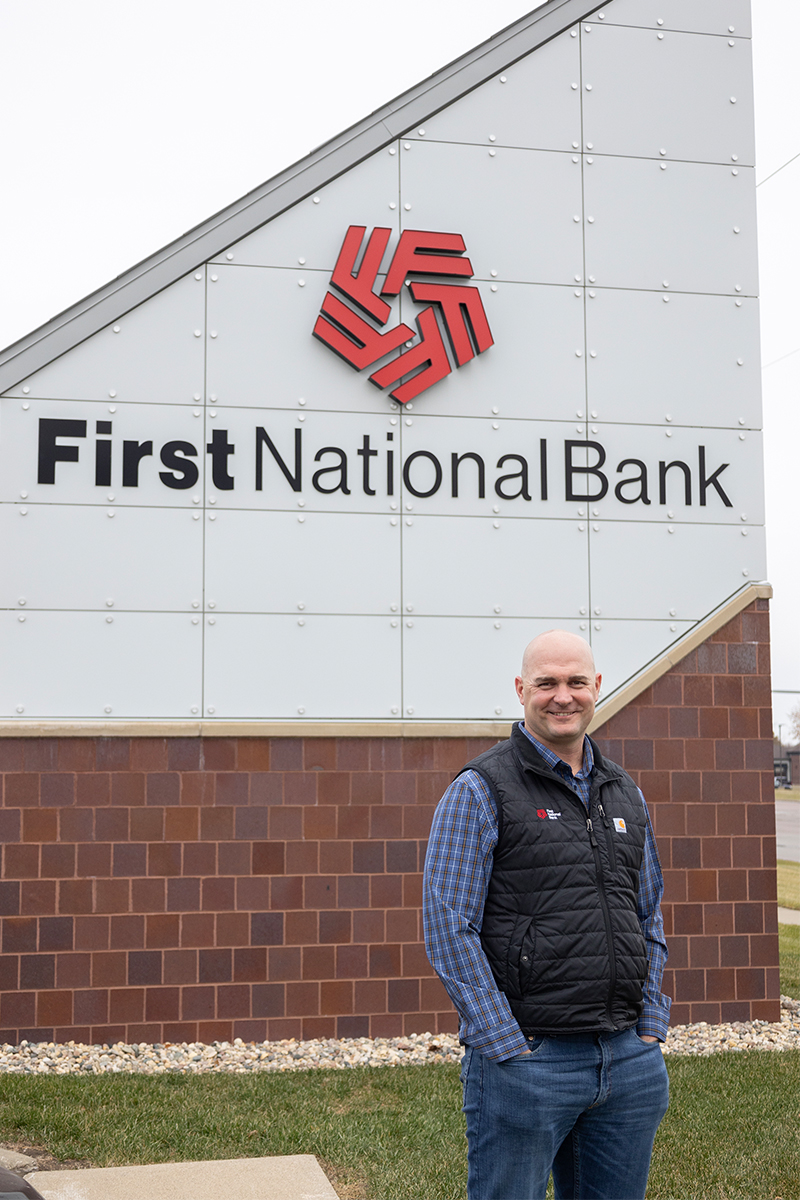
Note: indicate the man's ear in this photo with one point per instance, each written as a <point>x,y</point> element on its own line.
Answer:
<point>598,679</point>
<point>518,684</point>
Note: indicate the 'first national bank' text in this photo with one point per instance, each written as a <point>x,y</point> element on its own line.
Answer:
<point>538,470</point>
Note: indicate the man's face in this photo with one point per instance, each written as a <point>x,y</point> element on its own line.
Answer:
<point>558,690</point>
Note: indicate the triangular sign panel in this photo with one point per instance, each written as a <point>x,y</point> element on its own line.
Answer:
<point>501,374</point>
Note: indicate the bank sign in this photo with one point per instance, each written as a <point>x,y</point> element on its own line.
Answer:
<point>500,375</point>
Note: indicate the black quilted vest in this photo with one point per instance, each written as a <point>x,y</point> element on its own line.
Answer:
<point>560,928</point>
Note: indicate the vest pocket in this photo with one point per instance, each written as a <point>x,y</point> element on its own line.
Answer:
<point>612,850</point>
<point>523,947</point>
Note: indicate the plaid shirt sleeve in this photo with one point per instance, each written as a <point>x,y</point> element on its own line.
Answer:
<point>458,867</point>
<point>655,1016</point>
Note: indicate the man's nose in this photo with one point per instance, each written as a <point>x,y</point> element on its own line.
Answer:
<point>563,694</point>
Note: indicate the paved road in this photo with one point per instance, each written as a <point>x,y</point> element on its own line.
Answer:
<point>787,824</point>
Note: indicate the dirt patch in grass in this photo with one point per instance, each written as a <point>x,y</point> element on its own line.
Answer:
<point>349,1184</point>
<point>45,1161</point>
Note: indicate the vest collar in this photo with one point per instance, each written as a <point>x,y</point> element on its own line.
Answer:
<point>531,760</point>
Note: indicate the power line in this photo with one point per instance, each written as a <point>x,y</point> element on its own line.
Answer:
<point>786,164</point>
<point>782,357</point>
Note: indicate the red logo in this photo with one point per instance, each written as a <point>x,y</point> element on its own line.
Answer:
<point>355,338</point>
<point>542,812</point>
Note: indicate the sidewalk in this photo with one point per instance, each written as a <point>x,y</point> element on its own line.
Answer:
<point>293,1177</point>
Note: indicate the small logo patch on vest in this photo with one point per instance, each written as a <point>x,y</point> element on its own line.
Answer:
<point>547,813</point>
<point>619,824</point>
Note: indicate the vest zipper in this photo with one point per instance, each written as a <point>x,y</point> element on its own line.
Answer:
<point>612,962</point>
<point>612,853</point>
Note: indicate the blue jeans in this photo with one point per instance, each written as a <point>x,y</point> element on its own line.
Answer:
<point>584,1106</point>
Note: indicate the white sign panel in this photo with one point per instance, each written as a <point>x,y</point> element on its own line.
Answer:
<point>501,375</point>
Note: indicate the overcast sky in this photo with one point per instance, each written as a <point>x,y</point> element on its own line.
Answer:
<point>123,125</point>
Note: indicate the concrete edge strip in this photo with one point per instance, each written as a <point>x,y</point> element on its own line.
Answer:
<point>387,729</point>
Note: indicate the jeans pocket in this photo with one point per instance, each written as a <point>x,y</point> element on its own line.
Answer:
<point>534,1046</point>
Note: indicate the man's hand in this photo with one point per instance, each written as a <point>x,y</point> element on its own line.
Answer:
<point>646,1037</point>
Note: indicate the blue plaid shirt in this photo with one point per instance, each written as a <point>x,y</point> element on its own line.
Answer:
<point>458,867</point>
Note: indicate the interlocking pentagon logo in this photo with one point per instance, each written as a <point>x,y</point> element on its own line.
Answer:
<point>354,337</point>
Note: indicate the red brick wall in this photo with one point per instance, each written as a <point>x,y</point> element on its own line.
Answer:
<point>166,890</point>
<point>699,743</point>
<point>178,889</point>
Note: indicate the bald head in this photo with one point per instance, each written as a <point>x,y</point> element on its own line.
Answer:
<point>556,644</point>
<point>558,688</point>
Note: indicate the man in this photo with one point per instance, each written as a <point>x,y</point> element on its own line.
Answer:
<point>542,919</point>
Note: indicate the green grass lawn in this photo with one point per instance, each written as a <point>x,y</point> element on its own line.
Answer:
<point>788,883</point>
<point>789,936</point>
<point>397,1133</point>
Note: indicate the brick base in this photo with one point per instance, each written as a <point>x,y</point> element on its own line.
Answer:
<point>699,744</point>
<point>204,889</point>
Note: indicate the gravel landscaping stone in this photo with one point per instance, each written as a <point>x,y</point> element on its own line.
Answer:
<point>238,1057</point>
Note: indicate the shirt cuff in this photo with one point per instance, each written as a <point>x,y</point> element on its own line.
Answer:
<point>654,1022</point>
<point>500,1042</point>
